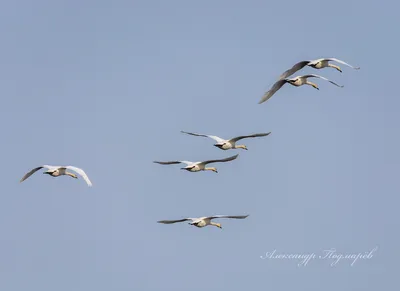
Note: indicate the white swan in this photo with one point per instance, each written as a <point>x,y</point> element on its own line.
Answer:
<point>203,221</point>
<point>296,81</point>
<point>227,144</point>
<point>316,64</point>
<point>56,171</point>
<point>198,166</point>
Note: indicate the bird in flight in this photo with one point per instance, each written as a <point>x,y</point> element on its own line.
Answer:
<point>296,81</point>
<point>203,221</point>
<point>316,64</point>
<point>56,171</point>
<point>227,144</point>
<point>199,166</point>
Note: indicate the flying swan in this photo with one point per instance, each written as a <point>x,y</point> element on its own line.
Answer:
<point>203,221</point>
<point>56,171</point>
<point>296,81</point>
<point>227,144</point>
<point>198,166</point>
<point>316,64</point>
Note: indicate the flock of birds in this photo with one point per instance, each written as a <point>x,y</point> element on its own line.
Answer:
<point>303,80</point>
<point>223,144</point>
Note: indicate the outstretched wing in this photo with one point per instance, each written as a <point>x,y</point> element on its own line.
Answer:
<point>216,138</point>
<point>30,173</point>
<point>272,91</point>
<point>318,76</point>
<point>221,160</point>
<point>80,172</point>
<point>293,69</point>
<point>173,221</point>
<point>167,163</point>
<point>173,162</point>
<point>342,62</point>
<point>235,139</point>
<point>228,216</point>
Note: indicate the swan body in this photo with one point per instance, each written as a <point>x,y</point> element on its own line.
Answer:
<point>296,81</point>
<point>198,166</point>
<point>228,144</point>
<point>203,221</point>
<point>316,64</point>
<point>56,171</point>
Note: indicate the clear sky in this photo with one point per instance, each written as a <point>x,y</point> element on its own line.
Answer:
<point>108,85</point>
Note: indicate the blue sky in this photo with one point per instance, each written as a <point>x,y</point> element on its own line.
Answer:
<point>108,86</point>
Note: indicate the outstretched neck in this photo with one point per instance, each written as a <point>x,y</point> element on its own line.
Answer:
<point>71,175</point>
<point>312,84</point>
<point>216,224</point>
<point>240,146</point>
<point>335,67</point>
<point>211,169</point>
